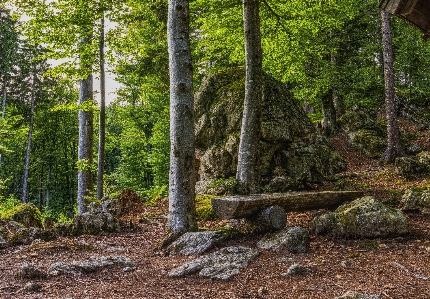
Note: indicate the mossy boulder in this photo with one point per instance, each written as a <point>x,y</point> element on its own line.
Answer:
<point>413,167</point>
<point>416,199</point>
<point>290,146</point>
<point>94,224</point>
<point>372,144</point>
<point>362,218</point>
<point>27,214</point>
<point>355,120</point>
<point>26,236</point>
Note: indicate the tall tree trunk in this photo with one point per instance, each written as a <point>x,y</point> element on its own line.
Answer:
<point>3,106</point>
<point>102,116</point>
<point>85,145</point>
<point>329,114</point>
<point>394,148</point>
<point>40,200</point>
<point>48,188</point>
<point>182,216</point>
<point>28,151</point>
<point>247,167</point>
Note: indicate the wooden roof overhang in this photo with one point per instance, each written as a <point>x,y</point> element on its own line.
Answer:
<point>416,12</point>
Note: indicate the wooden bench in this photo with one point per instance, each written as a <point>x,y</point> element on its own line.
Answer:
<point>268,211</point>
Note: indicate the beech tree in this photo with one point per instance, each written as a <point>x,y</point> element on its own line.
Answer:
<point>394,148</point>
<point>181,216</point>
<point>247,166</point>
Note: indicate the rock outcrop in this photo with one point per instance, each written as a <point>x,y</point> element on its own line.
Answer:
<point>291,151</point>
<point>27,214</point>
<point>362,218</point>
<point>414,167</point>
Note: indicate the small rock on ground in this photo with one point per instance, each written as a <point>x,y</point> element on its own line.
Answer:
<point>93,264</point>
<point>296,269</point>
<point>294,239</point>
<point>222,264</point>
<point>29,271</point>
<point>195,243</point>
<point>355,295</point>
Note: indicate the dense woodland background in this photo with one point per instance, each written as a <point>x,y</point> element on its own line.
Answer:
<point>325,49</point>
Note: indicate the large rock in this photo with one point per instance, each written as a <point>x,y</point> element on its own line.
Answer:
<point>94,224</point>
<point>362,218</point>
<point>27,214</point>
<point>372,144</point>
<point>293,239</point>
<point>222,264</point>
<point>195,243</point>
<point>25,236</point>
<point>290,148</point>
<point>414,199</point>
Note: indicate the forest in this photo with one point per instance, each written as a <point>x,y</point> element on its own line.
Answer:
<point>315,47</point>
<point>358,75</point>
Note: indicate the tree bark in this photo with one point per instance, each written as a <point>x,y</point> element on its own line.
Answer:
<point>28,151</point>
<point>394,148</point>
<point>3,106</point>
<point>337,101</point>
<point>85,144</point>
<point>102,116</point>
<point>247,166</point>
<point>181,216</point>
<point>48,188</point>
<point>245,206</point>
<point>329,114</point>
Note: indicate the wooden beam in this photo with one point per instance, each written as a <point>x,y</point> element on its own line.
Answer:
<point>248,205</point>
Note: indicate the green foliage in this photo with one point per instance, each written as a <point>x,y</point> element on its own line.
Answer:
<point>7,204</point>
<point>204,209</point>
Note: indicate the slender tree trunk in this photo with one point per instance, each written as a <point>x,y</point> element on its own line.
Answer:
<point>182,174</point>
<point>40,200</point>
<point>102,117</point>
<point>85,145</point>
<point>3,106</point>
<point>337,101</point>
<point>394,148</point>
<point>247,167</point>
<point>48,188</point>
<point>329,114</point>
<point>28,151</point>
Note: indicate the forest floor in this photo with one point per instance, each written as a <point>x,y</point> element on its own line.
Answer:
<point>391,268</point>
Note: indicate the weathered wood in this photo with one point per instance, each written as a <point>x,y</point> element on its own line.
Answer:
<point>271,218</point>
<point>245,206</point>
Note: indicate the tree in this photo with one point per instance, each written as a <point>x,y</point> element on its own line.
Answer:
<point>247,166</point>
<point>102,114</point>
<point>181,216</point>
<point>394,148</point>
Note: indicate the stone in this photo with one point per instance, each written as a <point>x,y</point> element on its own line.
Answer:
<point>27,214</point>
<point>412,168</point>
<point>94,224</point>
<point>292,239</point>
<point>93,264</point>
<point>222,264</point>
<point>291,149</point>
<point>355,295</point>
<point>354,120</point>
<point>25,236</point>
<point>296,269</point>
<point>195,243</point>
<point>416,199</point>
<point>29,271</point>
<point>372,144</point>
<point>362,218</point>
<point>32,287</point>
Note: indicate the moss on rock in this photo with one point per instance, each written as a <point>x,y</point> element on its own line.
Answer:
<point>362,218</point>
<point>27,214</point>
<point>369,141</point>
<point>204,209</point>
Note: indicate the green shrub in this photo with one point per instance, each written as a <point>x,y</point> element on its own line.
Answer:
<point>26,213</point>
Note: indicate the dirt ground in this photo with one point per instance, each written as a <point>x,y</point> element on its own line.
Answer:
<point>392,268</point>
